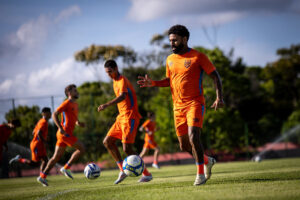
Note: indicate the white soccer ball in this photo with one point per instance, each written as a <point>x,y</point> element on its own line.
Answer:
<point>92,171</point>
<point>133,165</point>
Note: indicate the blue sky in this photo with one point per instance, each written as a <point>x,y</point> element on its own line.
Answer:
<point>39,38</point>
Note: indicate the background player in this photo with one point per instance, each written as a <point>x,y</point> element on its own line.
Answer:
<point>184,75</point>
<point>38,143</point>
<point>64,135</point>
<point>149,126</point>
<point>126,124</point>
<point>5,132</point>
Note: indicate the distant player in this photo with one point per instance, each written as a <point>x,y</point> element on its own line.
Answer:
<point>69,118</point>
<point>149,126</point>
<point>184,75</point>
<point>5,132</point>
<point>126,124</point>
<point>38,143</point>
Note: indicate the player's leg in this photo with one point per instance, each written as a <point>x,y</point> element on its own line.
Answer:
<point>156,154</point>
<point>44,161</point>
<point>110,144</point>
<point>144,152</point>
<point>80,149</point>
<point>114,134</point>
<point>59,151</point>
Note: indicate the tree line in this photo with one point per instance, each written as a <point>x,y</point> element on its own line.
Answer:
<point>261,102</point>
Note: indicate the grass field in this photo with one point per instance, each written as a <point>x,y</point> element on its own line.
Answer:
<point>270,179</point>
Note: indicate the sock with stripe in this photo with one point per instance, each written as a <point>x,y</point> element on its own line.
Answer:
<point>43,175</point>
<point>200,168</point>
<point>146,172</point>
<point>67,166</point>
<point>120,165</point>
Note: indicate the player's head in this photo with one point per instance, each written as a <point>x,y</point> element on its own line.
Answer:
<point>111,68</point>
<point>151,115</point>
<point>71,91</point>
<point>178,36</point>
<point>14,123</point>
<point>46,112</point>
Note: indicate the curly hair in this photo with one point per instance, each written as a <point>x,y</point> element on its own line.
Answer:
<point>179,30</point>
<point>69,88</point>
<point>110,63</point>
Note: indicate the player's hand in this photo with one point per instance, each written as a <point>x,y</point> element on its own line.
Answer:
<point>62,131</point>
<point>102,107</point>
<point>219,103</point>
<point>145,81</point>
<point>81,124</point>
<point>149,132</point>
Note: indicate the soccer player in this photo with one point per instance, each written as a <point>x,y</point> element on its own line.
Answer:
<point>149,126</point>
<point>184,75</point>
<point>38,143</point>
<point>5,132</point>
<point>126,124</point>
<point>64,135</point>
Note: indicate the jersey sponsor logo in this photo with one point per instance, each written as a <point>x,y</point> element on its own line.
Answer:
<point>170,63</point>
<point>187,63</point>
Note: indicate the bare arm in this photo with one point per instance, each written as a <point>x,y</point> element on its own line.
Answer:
<point>116,100</point>
<point>57,123</point>
<point>40,132</point>
<point>148,82</point>
<point>219,102</point>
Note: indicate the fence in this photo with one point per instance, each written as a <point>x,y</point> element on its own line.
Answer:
<point>6,105</point>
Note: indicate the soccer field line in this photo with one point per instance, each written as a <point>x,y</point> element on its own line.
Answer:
<point>52,196</point>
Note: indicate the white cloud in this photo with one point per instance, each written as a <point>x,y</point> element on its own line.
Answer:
<point>67,13</point>
<point>28,40</point>
<point>50,80</point>
<point>145,10</point>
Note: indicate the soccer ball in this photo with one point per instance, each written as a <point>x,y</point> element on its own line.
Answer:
<point>92,171</point>
<point>133,165</point>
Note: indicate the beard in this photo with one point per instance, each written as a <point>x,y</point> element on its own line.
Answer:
<point>177,49</point>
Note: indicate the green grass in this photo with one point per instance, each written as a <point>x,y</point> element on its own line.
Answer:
<point>270,179</point>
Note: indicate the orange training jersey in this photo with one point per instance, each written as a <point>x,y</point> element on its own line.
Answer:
<point>186,75</point>
<point>5,132</point>
<point>43,126</point>
<point>128,108</point>
<point>69,114</point>
<point>149,126</point>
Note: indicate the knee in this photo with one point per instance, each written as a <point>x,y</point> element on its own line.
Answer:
<point>106,143</point>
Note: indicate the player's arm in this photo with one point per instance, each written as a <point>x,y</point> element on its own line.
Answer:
<point>57,123</point>
<point>219,102</point>
<point>40,134</point>
<point>116,100</point>
<point>141,129</point>
<point>79,123</point>
<point>146,81</point>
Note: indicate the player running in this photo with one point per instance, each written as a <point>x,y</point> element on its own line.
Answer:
<point>38,143</point>
<point>149,126</point>
<point>184,75</point>
<point>5,132</point>
<point>126,124</point>
<point>64,135</point>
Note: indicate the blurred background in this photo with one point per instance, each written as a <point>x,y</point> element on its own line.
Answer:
<point>255,46</point>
